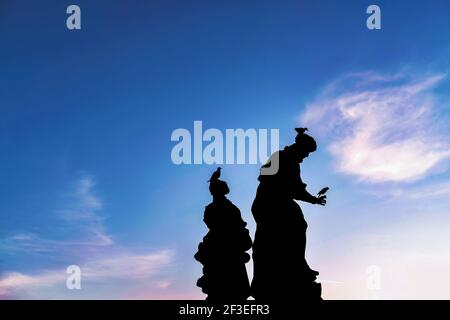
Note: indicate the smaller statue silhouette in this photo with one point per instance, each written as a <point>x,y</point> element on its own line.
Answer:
<point>223,250</point>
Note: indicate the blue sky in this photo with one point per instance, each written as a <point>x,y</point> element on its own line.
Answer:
<point>87,115</point>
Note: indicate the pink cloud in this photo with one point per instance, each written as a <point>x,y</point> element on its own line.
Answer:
<point>381,128</point>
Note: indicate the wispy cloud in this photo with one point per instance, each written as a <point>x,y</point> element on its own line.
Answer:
<point>429,191</point>
<point>14,281</point>
<point>382,128</point>
<point>130,267</point>
<point>82,221</point>
<point>85,242</point>
<point>85,210</point>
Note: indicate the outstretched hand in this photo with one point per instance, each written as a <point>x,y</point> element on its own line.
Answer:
<point>322,200</point>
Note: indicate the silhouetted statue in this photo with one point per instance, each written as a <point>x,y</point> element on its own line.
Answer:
<point>280,267</point>
<point>223,250</point>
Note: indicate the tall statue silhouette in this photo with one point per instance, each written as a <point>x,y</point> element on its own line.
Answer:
<point>280,267</point>
<point>223,250</point>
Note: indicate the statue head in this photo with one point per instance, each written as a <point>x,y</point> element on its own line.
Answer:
<point>304,144</point>
<point>218,188</point>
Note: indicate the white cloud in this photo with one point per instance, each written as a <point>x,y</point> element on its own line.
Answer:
<point>381,128</point>
<point>131,267</point>
<point>16,281</point>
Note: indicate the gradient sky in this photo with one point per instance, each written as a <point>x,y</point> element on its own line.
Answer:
<point>86,119</point>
